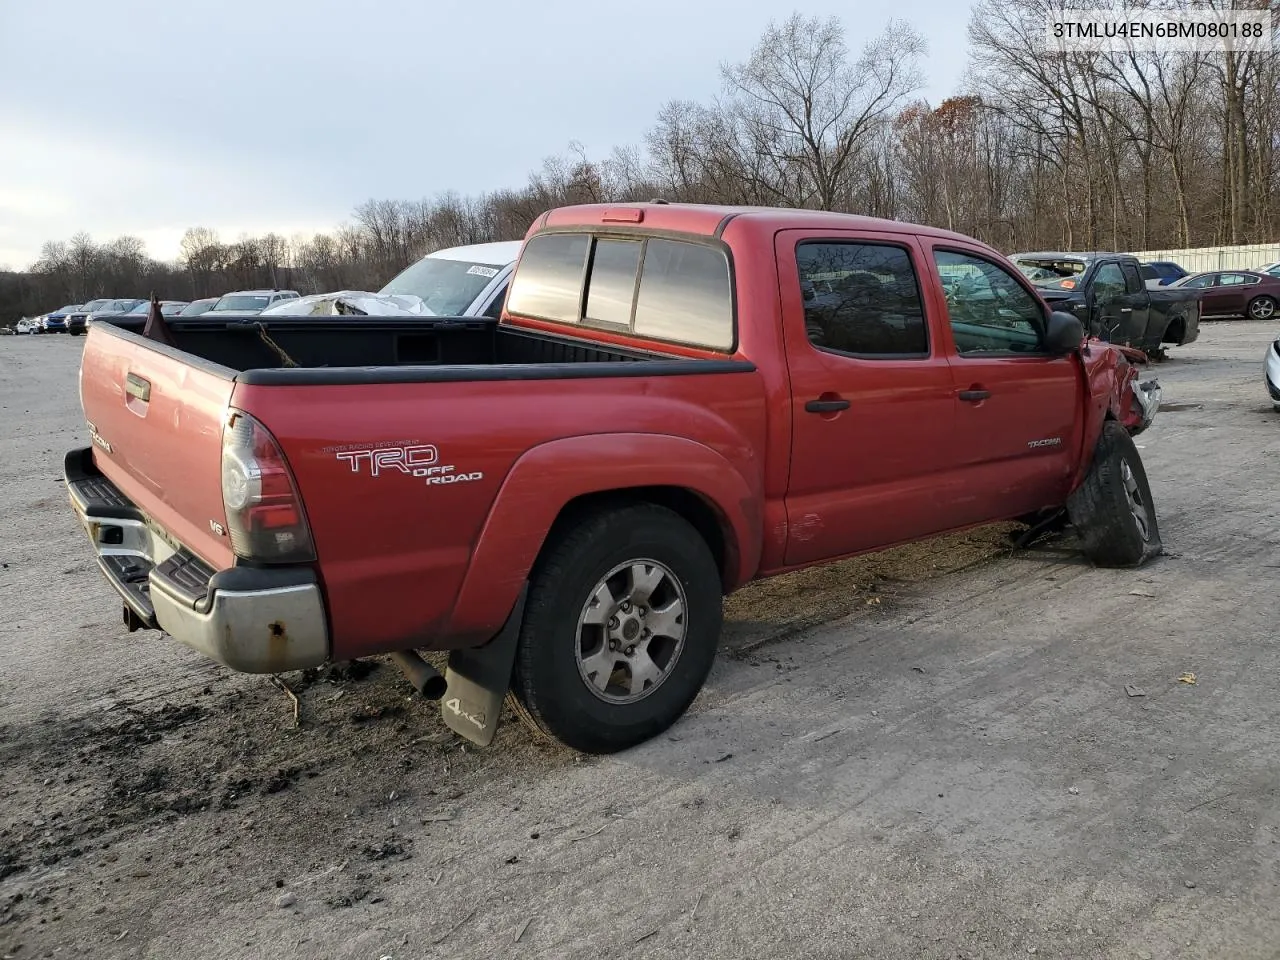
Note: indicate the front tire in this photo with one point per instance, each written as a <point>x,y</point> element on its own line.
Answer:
<point>1262,308</point>
<point>620,629</point>
<point>1112,511</point>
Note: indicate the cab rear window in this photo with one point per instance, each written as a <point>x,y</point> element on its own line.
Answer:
<point>653,287</point>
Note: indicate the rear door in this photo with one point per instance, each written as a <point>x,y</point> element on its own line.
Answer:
<point>1017,407</point>
<point>1119,309</point>
<point>1231,293</point>
<point>1140,318</point>
<point>155,418</point>
<point>871,396</point>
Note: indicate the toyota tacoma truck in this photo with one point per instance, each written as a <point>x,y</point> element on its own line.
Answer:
<point>676,400</point>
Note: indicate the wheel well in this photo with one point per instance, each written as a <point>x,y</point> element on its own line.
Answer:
<point>701,515</point>
<point>1175,331</point>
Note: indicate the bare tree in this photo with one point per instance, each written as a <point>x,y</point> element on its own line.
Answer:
<point>807,106</point>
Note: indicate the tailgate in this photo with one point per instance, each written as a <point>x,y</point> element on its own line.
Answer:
<point>155,418</point>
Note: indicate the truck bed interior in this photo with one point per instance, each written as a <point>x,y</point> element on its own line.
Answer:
<point>343,342</point>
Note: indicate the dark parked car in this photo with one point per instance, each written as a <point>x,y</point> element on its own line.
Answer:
<point>170,308</point>
<point>1164,272</point>
<point>77,320</point>
<point>1107,292</point>
<point>55,321</point>
<point>1235,293</point>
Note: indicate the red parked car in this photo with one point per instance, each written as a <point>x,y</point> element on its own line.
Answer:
<point>1235,293</point>
<point>677,400</point>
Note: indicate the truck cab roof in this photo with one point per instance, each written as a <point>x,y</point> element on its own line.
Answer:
<point>711,220</point>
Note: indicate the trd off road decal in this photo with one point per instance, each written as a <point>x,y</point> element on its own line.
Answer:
<point>417,460</point>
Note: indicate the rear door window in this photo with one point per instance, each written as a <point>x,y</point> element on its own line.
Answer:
<point>1234,279</point>
<point>862,299</point>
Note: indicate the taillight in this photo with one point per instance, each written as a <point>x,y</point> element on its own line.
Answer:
<point>264,512</point>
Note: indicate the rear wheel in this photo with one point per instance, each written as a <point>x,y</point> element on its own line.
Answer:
<point>1112,511</point>
<point>620,629</point>
<point>1262,308</point>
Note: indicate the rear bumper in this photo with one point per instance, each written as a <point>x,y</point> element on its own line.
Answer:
<point>255,620</point>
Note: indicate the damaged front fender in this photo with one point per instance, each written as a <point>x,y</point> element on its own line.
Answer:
<point>1115,391</point>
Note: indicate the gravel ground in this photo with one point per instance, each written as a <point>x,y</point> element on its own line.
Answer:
<point>927,753</point>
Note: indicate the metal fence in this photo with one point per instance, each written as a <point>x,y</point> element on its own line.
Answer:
<point>1217,258</point>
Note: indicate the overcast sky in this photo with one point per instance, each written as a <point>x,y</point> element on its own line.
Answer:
<point>147,117</point>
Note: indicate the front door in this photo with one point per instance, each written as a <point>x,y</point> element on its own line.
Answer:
<point>1204,283</point>
<point>1018,409</point>
<point>871,395</point>
<point>1119,314</point>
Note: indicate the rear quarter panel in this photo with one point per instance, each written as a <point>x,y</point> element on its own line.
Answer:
<point>394,550</point>
<point>1180,312</point>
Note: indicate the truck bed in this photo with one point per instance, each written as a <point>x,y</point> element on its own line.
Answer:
<point>315,343</point>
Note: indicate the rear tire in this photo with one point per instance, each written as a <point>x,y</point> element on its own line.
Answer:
<point>1261,308</point>
<point>642,578</point>
<point>1112,511</point>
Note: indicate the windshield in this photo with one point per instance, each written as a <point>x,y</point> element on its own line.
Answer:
<point>1036,273</point>
<point>197,308</point>
<point>68,308</point>
<point>447,287</point>
<point>1052,271</point>
<point>93,305</point>
<point>143,307</point>
<point>245,302</point>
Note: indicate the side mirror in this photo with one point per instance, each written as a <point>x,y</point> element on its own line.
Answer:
<point>1064,334</point>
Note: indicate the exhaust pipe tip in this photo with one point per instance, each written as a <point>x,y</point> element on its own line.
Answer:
<point>425,678</point>
<point>433,688</point>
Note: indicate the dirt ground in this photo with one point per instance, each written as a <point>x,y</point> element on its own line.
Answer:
<point>928,753</point>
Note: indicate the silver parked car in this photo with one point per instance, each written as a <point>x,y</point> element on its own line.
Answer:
<point>468,281</point>
<point>250,301</point>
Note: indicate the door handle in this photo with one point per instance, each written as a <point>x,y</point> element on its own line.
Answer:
<point>138,387</point>
<point>1126,309</point>
<point>974,396</point>
<point>826,406</point>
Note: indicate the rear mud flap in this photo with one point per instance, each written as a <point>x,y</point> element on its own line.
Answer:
<point>478,680</point>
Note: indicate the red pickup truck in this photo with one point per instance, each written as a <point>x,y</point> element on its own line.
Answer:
<point>676,400</point>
